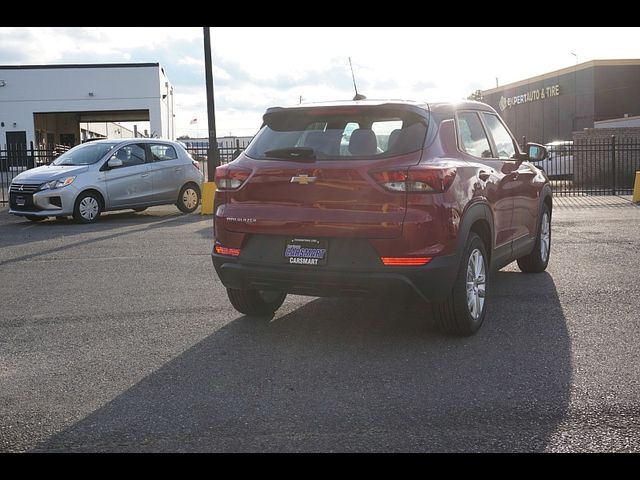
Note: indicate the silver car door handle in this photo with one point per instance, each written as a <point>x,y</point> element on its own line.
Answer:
<point>177,169</point>
<point>144,175</point>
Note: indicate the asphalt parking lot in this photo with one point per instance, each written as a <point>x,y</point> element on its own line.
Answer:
<point>118,336</point>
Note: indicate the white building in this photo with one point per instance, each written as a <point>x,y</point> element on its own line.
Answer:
<point>624,122</point>
<point>46,104</point>
<point>106,130</point>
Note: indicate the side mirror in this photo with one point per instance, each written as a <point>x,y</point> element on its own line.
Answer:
<point>114,162</point>
<point>536,152</point>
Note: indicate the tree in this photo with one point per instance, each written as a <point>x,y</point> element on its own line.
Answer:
<point>477,96</point>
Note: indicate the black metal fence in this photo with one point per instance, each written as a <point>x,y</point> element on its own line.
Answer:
<point>229,150</point>
<point>15,159</point>
<point>593,166</point>
<point>601,166</point>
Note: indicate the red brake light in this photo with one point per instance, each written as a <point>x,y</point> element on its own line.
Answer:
<point>230,178</point>
<point>417,179</point>
<point>405,261</point>
<point>430,179</point>
<point>394,180</point>
<point>232,252</point>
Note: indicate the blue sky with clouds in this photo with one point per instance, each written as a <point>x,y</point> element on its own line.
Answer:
<point>255,68</point>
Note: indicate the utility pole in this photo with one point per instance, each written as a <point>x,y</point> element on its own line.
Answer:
<point>213,154</point>
<point>575,94</point>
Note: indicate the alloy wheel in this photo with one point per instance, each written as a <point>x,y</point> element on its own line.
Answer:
<point>545,237</point>
<point>476,284</point>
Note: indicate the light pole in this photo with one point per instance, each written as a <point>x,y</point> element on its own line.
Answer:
<point>213,154</point>
<point>575,94</point>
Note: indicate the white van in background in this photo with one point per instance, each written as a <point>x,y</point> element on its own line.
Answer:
<point>559,163</point>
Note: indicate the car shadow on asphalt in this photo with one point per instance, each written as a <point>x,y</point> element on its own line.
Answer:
<point>207,231</point>
<point>11,233</point>
<point>353,375</point>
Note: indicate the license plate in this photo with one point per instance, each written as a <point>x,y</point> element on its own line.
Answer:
<point>20,201</point>
<point>306,251</point>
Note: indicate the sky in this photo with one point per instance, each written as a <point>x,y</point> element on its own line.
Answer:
<point>255,68</point>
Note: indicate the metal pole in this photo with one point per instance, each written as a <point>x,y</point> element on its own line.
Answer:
<point>213,154</point>
<point>575,95</point>
<point>613,161</point>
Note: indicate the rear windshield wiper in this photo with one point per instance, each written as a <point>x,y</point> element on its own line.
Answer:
<point>301,154</point>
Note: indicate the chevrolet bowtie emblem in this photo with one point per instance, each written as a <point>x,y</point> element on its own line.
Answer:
<point>303,179</point>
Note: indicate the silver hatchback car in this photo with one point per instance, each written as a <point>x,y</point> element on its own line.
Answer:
<point>108,175</point>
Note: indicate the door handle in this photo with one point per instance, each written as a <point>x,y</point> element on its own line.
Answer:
<point>177,169</point>
<point>144,175</point>
<point>484,175</point>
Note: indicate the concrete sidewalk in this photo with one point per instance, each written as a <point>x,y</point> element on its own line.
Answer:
<point>594,201</point>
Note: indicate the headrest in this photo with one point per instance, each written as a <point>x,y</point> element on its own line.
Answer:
<point>363,142</point>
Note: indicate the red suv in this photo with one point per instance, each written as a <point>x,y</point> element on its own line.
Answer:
<point>380,198</point>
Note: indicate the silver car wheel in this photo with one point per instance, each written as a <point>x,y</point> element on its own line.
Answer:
<point>88,208</point>
<point>190,198</point>
<point>545,237</point>
<point>476,284</point>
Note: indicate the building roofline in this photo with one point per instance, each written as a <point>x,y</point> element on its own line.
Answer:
<point>617,119</point>
<point>78,65</point>
<point>563,71</point>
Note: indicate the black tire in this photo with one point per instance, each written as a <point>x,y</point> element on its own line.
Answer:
<point>88,207</point>
<point>255,302</point>
<point>189,198</point>
<point>34,218</point>
<point>538,259</point>
<point>141,209</point>
<point>453,314</point>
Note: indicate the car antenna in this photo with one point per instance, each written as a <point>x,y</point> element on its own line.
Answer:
<point>358,96</point>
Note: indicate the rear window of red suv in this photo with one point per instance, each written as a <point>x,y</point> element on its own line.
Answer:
<point>338,135</point>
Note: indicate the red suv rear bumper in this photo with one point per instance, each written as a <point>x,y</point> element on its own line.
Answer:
<point>431,282</point>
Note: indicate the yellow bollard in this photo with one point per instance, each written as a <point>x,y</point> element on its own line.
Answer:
<point>636,188</point>
<point>208,190</point>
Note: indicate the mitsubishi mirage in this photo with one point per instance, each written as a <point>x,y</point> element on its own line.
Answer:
<point>381,198</point>
<point>108,175</point>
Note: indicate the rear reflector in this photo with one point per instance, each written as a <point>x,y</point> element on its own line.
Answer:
<point>232,252</point>
<point>230,178</point>
<point>405,261</point>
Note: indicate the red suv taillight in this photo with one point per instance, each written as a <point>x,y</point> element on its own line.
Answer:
<point>416,179</point>
<point>231,252</point>
<point>405,261</point>
<point>230,178</point>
